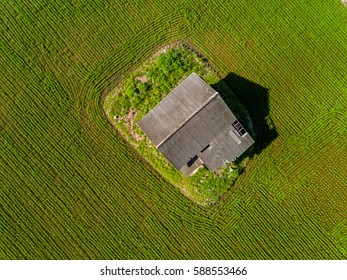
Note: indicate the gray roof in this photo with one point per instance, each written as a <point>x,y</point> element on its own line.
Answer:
<point>193,121</point>
<point>176,108</point>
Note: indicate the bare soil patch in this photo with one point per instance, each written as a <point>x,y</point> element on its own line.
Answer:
<point>129,120</point>
<point>143,79</point>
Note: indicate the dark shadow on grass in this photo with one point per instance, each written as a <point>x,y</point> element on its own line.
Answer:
<point>255,99</point>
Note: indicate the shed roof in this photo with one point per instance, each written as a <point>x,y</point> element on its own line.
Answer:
<point>176,108</point>
<point>194,122</point>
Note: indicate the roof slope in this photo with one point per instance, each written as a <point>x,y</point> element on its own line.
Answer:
<point>209,134</point>
<point>194,122</point>
<point>176,109</point>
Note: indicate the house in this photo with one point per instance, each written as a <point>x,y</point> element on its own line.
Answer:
<point>192,126</point>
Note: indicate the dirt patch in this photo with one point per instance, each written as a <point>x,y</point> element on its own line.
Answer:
<point>137,137</point>
<point>143,79</point>
<point>163,50</point>
<point>129,120</point>
<point>130,117</point>
<point>219,171</point>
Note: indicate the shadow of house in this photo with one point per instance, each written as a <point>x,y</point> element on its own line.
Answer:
<point>255,99</point>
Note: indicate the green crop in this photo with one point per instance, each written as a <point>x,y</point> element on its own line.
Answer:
<point>71,187</point>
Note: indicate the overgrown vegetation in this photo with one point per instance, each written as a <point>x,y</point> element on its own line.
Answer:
<point>140,92</point>
<point>147,86</point>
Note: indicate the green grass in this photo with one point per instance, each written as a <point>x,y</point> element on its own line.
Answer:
<point>72,188</point>
<point>137,94</point>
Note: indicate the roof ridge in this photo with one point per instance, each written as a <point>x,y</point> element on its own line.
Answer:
<point>188,118</point>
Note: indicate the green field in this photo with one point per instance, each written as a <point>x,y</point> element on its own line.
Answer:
<point>72,188</point>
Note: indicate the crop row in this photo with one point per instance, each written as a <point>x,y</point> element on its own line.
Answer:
<point>72,188</point>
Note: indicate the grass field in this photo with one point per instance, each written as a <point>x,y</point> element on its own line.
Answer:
<point>72,188</point>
